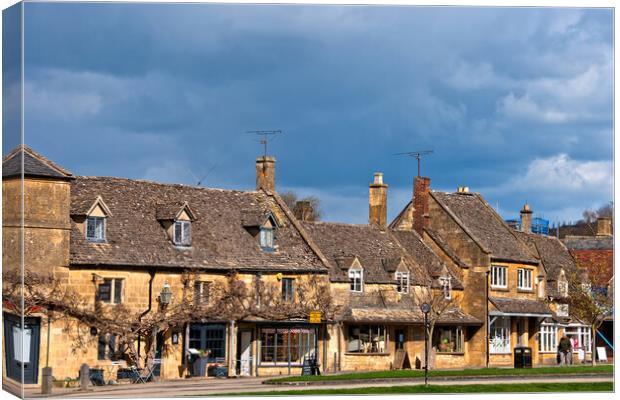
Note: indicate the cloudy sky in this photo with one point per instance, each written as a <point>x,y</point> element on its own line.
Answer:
<point>515,102</point>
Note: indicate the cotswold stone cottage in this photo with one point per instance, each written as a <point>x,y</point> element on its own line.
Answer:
<point>149,248</point>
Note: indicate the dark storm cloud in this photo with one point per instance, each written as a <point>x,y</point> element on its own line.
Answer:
<point>166,92</point>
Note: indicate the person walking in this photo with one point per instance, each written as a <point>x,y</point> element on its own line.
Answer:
<point>566,348</point>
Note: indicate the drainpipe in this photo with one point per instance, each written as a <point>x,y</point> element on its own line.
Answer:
<point>486,284</point>
<point>148,310</point>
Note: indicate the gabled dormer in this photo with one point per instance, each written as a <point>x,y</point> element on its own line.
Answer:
<point>91,219</point>
<point>445,283</point>
<point>355,272</point>
<point>177,219</point>
<point>263,226</point>
<point>401,272</point>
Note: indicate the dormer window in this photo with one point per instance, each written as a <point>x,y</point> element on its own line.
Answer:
<point>182,233</point>
<point>267,238</point>
<point>356,279</point>
<point>92,220</point>
<point>95,229</point>
<point>402,282</point>
<point>177,219</point>
<point>446,286</point>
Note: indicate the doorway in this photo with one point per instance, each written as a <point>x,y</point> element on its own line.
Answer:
<point>244,355</point>
<point>521,332</point>
<point>401,338</point>
<point>20,358</point>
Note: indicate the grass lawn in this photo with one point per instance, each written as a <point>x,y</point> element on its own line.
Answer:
<point>416,373</point>
<point>490,388</point>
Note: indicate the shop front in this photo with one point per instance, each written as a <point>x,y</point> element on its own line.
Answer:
<point>284,349</point>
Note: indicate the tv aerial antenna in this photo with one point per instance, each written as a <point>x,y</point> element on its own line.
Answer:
<point>417,155</point>
<point>201,180</point>
<point>264,136</point>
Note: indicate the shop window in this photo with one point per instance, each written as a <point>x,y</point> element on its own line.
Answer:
<point>367,339</point>
<point>284,345</point>
<point>548,338</point>
<point>448,339</point>
<point>499,276</point>
<point>110,291</point>
<point>580,337</point>
<point>210,339</point>
<point>499,335</point>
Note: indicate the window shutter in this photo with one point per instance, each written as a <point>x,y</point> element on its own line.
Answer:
<point>118,290</point>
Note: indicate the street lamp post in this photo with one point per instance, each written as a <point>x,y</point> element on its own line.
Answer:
<point>426,308</point>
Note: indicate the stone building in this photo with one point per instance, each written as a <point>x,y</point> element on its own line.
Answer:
<point>595,254</point>
<point>380,284</point>
<point>121,241</point>
<point>510,284</point>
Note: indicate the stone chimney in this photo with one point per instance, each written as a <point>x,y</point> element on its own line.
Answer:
<point>421,189</point>
<point>603,226</point>
<point>526,218</point>
<point>266,173</point>
<point>303,211</point>
<point>377,202</point>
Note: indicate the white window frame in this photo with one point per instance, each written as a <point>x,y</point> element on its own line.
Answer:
<point>499,335</point>
<point>524,279</point>
<point>563,287</point>
<point>98,229</point>
<point>584,337</point>
<point>499,276</point>
<point>356,280</point>
<point>446,286</point>
<point>548,338</point>
<point>186,235</point>
<point>402,281</point>
<point>201,292</point>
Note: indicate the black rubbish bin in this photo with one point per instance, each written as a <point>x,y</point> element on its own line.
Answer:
<point>523,357</point>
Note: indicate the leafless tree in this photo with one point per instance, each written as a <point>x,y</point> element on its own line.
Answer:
<point>293,202</point>
<point>229,299</point>
<point>590,305</point>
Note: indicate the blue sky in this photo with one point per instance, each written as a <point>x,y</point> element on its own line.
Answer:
<point>517,103</point>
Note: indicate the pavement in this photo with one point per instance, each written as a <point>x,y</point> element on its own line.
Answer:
<point>215,386</point>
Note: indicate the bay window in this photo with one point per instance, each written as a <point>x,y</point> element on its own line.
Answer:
<point>366,339</point>
<point>281,345</point>
<point>448,339</point>
<point>548,338</point>
<point>499,335</point>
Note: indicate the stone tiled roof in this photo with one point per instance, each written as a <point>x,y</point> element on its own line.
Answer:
<point>373,248</point>
<point>485,226</point>
<point>424,256</point>
<point>374,308</point>
<point>520,306</point>
<point>446,248</point>
<point>35,165</point>
<point>589,242</point>
<point>135,237</point>
<point>552,253</point>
